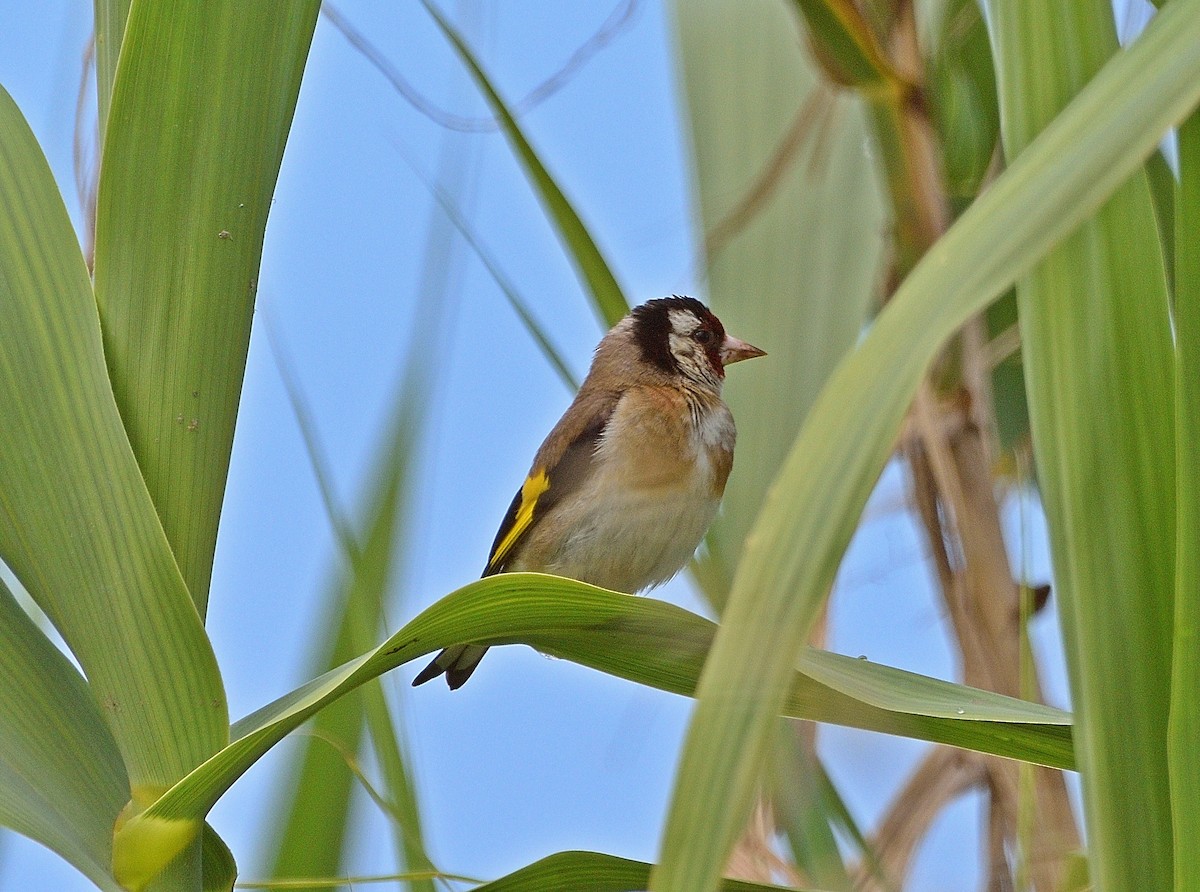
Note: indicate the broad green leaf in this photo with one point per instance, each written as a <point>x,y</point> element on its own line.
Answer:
<point>1097,351</point>
<point>640,639</point>
<point>595,872</point>
<point>810,514</point>
<point>217,867</point>
<point>61,778</point>
<point>1184,739</point>
<point>792,216</point>
<point>590,264</point>
<point>201,106</point>
<point>77,526</point>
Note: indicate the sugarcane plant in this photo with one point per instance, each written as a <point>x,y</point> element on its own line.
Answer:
<point>1014,149</point>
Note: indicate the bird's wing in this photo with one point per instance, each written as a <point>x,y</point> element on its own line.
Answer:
<point>561,466</point>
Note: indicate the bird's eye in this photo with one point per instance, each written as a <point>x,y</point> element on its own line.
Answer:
<point>703,336</point>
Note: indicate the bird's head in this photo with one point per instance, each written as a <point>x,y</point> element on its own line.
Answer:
<point>680,336</point>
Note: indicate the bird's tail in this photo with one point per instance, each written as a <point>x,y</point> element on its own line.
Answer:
<point>457,663</point>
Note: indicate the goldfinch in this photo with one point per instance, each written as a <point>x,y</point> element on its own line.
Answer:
<point>623,489</point>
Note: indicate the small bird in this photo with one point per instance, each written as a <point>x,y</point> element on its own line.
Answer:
<point>624,487</point>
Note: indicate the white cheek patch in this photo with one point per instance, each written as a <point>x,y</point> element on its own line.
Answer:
<point>680,345</point>
<point>683,323</point>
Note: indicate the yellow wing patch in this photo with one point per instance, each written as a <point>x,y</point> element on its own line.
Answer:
<point>531,491</point>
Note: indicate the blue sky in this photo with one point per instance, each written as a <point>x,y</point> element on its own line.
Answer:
<point>534,756</point>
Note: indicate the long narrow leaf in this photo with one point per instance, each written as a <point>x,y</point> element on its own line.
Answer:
<point>519,305</point>
<point>1096,345</point>
<point>201,106</point>
<point>606,294</point>
<point>809,516</point>
<point>1184,740</point>
<point>61,778</point>
<point>560,872</point>
<point>77,526</point>
<point>110,28</point>
<point>595,872</point>
<point>403,806</point>
<point>312,836</point>
<point>643,640</point>
<point>800,808</point>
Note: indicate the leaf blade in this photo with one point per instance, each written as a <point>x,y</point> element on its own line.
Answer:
<point>606,294</point>
<point>641,639</point>
<point>1096,336</point>
<point>61,778</point>
<point>176,267</point>
<point>1184,728</point>
<point>596,872</point>
<point>809,516</point>
<point>77,526</point>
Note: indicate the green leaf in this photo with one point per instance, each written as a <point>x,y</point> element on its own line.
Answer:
<point>77,526</point>
<point>1184,731</point>
<point>640,639</point>
<point>810,514</point>
<point>519,305</point>
<point>312,834</point>
<point>111,16</point>
<point>61,778</point>
<point>590,264</point>
<point>595,872</point>
<point>203,99</point>
<point>1162,190</point>
<point>802,810</point>
<point>217,867</point>
<point>962,97</point>
<point>847,47</point>
<point>402,805</point>
<point>1097,351</point>
<point>560,872</point>
<point>776,154</point>
<point>1008,378</point>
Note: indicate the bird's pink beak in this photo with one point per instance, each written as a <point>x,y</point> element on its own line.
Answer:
<point>735,350</point>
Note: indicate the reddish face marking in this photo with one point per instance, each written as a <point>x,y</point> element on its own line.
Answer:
<point>710,335</point>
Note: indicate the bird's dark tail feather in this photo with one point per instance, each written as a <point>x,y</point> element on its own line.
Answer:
<point>456,663</point>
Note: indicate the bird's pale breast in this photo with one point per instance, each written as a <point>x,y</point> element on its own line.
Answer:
<point>658,479</point>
